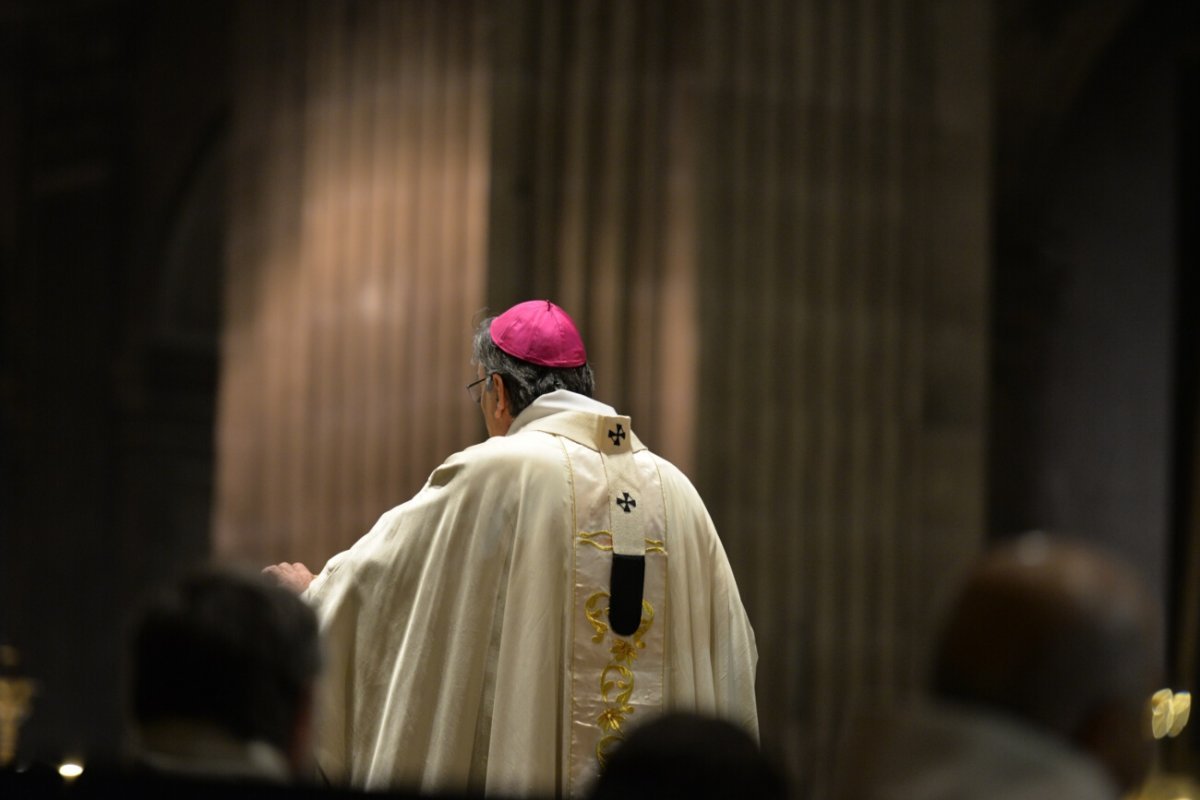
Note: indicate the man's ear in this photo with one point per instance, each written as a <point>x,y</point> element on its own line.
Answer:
<point>1118,736</point>
<point>501,395</point>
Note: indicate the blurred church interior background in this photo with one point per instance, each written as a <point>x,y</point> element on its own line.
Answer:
<point>888,279</point>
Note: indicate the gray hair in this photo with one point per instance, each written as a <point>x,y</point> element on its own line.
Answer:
<point>525,382</point>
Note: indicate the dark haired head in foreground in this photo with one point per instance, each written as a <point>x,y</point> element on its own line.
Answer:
<point>224,665</point>
<point>1060,636</point>
<point>1041,678</point>
<point>688,755</point>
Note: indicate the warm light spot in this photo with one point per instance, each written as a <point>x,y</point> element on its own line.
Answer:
<point>1169,712</point>
<point>70,770</point>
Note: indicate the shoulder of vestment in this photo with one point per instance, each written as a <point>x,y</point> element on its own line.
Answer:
<point>502,456</point>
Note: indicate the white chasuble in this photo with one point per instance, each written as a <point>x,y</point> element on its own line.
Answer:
<point>506,627</point>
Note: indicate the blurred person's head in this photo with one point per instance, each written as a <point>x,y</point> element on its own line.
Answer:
<point>228,656</point>
<point>688,755</point>
<point>1060,636</point>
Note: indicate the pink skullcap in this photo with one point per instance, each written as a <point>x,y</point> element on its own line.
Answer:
<point>541,333</point>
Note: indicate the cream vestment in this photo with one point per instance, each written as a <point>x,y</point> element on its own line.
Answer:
<point>468,633</point>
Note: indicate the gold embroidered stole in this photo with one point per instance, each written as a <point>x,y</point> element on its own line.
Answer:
<point>619,507</point>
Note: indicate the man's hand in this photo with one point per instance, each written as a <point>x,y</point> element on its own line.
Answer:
<point>290,576</point>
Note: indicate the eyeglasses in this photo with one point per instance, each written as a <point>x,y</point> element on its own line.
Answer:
<point>476,390</point>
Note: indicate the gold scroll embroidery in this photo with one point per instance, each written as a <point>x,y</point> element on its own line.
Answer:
<point>592,610</point>
<point>596,540</point>
<point>616,679</point>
